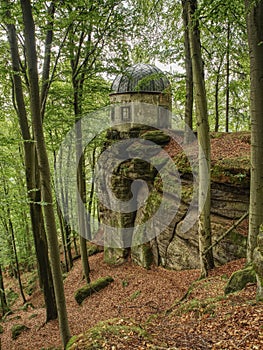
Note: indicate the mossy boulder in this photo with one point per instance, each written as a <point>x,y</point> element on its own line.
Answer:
<point>156,136</point>
<point>239,279</point>
<point>114,334</point>
<point>17,329</point>
<point>93,249</point>
<point>115,256</point>
<point>91,288</point>
<point>142,255</point>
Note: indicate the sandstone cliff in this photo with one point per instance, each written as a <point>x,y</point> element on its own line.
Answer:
<point>175,247</point>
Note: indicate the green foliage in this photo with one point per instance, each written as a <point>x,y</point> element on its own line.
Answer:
<point>125,283</point>
<point>135,295</point>
<point>232,170</point>
<point>17,329</point>
<point>104,38</point>
<point>11,296</point>
<point>31,282</point>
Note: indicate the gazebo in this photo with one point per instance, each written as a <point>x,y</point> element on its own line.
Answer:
<point>137,92</point>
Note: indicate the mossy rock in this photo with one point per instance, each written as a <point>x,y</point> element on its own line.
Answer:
<point>86,291</point>
<point>240,279</point>
<point>115,256</point>
<point>156,136</point>
<point>107,332</point>
<point>142,255</point>
<point>17,329</point>
<point>93,249</point>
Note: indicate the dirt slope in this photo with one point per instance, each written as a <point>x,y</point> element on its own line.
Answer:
<point>139,298</point>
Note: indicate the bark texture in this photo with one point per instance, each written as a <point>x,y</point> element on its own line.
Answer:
<point>45,177</point>
<point>32,180</point>
<point>189,76</point>
<point>205,239</point>
<point>255,41</point>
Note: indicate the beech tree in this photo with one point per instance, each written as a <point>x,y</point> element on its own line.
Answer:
<point>255,235</point>
<point>31,171</point>
<point>44,168</point>
<point>188,73</point>
<point>4,306</point>
<point>225,56</point>
<point>204,231</point>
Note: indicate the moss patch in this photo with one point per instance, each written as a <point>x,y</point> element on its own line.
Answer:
<point>111,332</point>
<point>200,307</point>
<point>93,249</point>
<point>231,170</point>
<point>17,329</point>
<point>240,279</point>
<point>156,136</point>
<point>93,287</point>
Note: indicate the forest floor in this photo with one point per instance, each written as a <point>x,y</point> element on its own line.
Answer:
<point>141,309</point>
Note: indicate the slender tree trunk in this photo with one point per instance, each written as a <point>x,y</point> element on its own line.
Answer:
<point>75,244</point>
<point>30,46</point>
<point>3,301</point>
<point>11,266</point>
<point>227,76</point>
<point>217,104</point>
<point>91,194</point>
<point>81,201</point>
<point>78,90</point>
<point>189,99</point>
<point>10,229</point>
<point>205,241</point>
<point>47,57</point>
<point>217,96</point>
<point>255,236</point>
<point>16,258</point>
<point>32,181</point>
<point>63,236</point>
<point>64,218</point>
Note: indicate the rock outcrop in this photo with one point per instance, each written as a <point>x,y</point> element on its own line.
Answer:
<point>175,247</point>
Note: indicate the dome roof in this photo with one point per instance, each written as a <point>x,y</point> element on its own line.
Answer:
<point>140,78</point>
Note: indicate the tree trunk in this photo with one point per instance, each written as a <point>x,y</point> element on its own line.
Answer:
<point>217,96</point>
<point>32,182</point>
<point>227,76</point>
<point>81,201</point>
<point>11,230</point>
<point>63,236</point>
<point>216,104</point>
<point>255,40</point>
<point>3,301</point>
<point>64,218</point>
<point>189,98</point>
<point>205,241</point>
<point>45,177</point>
<point>77,83</point>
